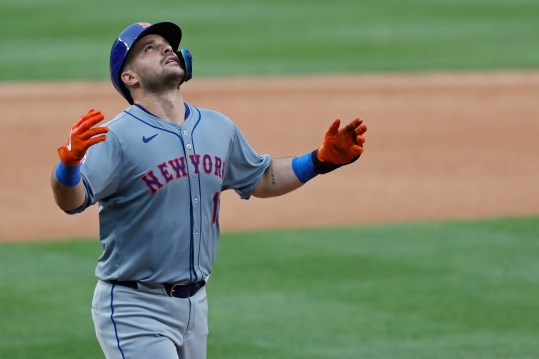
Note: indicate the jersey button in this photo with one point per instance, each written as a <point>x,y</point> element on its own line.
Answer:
<point>185,133</point>
<point>189,146</point>
<point>195,200</point>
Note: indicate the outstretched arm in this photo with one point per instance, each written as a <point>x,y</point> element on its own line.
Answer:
<point>67,198</point>
<point>67,187</point>
<point>278,179</point>
<point>340,147</point>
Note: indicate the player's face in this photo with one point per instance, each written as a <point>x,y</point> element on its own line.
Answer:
<point>155,63</point>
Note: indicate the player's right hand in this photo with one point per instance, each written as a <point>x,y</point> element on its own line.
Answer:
<point>82,136</point>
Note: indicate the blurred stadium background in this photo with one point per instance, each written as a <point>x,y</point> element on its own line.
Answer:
<point>464,288</point>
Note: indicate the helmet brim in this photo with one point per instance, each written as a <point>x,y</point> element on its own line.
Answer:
<point>168,30</point>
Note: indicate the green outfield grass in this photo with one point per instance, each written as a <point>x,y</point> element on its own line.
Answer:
<point>64,39</point>
<point>419,290</point>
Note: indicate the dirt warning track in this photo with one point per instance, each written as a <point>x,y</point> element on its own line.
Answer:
<point>439,146</point>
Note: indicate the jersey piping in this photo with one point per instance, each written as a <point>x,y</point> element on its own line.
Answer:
<point>192,269</point>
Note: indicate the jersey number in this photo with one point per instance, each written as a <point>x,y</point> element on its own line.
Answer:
<point>216,204</point>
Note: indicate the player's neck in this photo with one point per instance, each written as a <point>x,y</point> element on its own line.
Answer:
<point>169,107</point>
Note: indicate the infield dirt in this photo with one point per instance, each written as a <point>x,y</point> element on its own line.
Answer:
<point>439,146</point>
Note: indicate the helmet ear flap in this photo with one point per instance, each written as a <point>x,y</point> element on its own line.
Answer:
<point>186,62</point>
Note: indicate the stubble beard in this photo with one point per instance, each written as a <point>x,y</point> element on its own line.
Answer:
<point>167,80</point>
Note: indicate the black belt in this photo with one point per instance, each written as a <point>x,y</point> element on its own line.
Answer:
<point>172,289</point>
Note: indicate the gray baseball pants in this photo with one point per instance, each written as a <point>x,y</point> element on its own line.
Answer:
<point>146,323</point>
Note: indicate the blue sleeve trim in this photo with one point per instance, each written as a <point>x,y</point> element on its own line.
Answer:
<point>303,167</point>
<point>68,176</point>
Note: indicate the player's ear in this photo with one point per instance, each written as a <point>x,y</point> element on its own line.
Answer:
<point>129,78</point>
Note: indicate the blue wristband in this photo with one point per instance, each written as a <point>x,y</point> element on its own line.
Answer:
<point>303,167</point>
<point>68,176</point>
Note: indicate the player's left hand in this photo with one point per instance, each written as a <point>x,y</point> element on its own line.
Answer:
<point>342,146</point>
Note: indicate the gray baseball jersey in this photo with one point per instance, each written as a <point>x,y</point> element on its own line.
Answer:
<point>158,186</point>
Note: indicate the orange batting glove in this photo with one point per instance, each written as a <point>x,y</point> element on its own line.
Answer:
<point>82,136</point>
<point>341,146</point>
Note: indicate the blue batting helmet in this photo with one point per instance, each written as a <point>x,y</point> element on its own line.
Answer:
<point>125,41</point>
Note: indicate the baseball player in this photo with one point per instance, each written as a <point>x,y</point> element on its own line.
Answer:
<point>157,170</point>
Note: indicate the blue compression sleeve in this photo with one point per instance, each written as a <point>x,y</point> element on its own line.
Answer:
<point>303,167</point>
<point>68,176</point>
